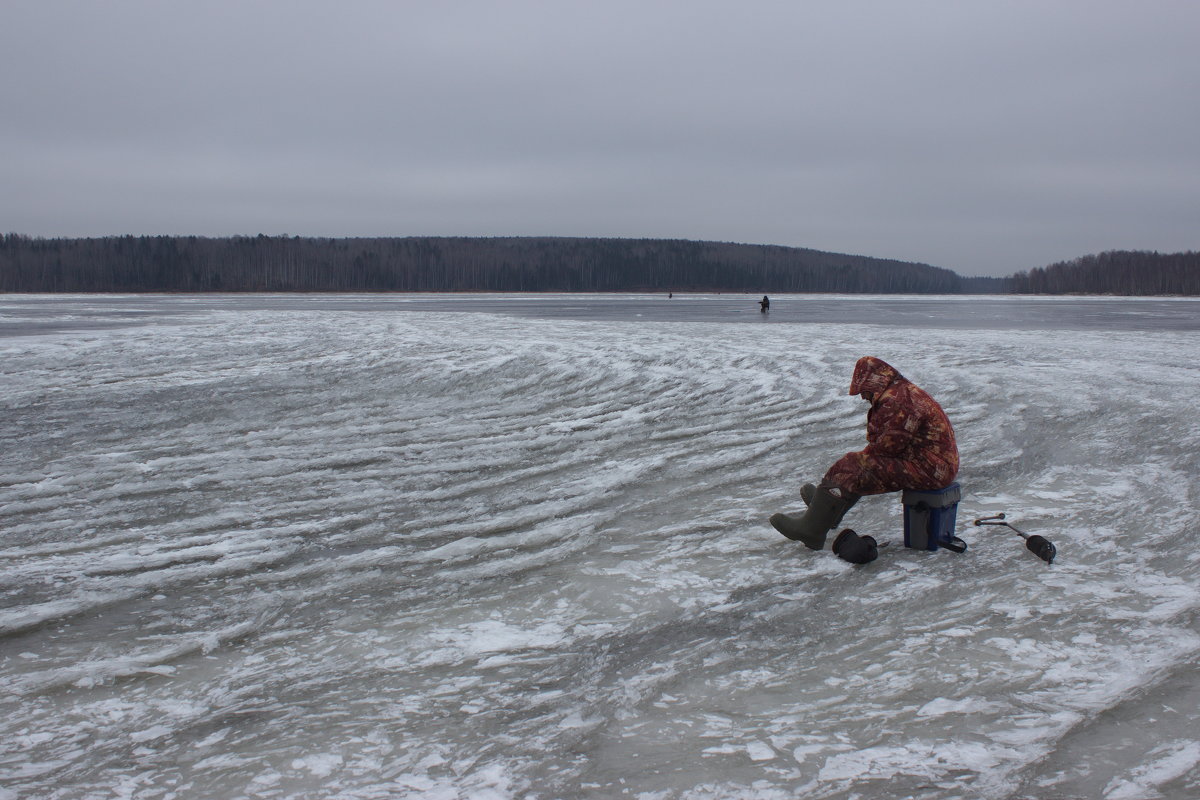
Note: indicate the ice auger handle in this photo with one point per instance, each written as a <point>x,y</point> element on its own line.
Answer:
<point>1040,546</point>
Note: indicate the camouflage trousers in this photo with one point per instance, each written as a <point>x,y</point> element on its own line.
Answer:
<point>863,473</point>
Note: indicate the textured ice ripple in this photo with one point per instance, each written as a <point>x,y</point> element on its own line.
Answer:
<point>318,554</point>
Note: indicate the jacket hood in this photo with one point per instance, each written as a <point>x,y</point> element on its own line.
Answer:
<point>873,375</point>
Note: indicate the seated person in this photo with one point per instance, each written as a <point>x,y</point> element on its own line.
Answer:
<point>910,445</point>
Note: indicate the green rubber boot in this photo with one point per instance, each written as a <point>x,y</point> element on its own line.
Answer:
<point>825,512</point>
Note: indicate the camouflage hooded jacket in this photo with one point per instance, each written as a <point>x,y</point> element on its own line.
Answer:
<point>904,421</point>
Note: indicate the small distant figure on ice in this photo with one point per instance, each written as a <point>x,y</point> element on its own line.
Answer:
<point>764,305</point>
<point>910,445</point>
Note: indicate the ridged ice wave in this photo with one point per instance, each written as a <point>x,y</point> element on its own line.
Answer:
<point>322,552</point>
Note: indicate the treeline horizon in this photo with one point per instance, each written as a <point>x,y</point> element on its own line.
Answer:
<point>196,264</point>
<point>445,264</point>
<point>1117,272</point>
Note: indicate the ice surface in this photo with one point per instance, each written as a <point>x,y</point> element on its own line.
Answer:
<point>364,548</point>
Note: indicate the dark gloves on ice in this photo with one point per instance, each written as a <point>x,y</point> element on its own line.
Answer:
<point>856,549</point>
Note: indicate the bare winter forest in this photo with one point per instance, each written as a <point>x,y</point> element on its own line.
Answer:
<point>532,264</point>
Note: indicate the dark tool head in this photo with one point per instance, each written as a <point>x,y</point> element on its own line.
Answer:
<point>1041,547</point>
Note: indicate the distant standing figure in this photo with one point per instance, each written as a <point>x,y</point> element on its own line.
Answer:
<point>764,305</point>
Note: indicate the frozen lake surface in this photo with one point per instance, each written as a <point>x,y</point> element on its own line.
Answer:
<point>491,547</point>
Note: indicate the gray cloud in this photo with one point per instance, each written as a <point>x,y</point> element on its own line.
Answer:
<point>985,138</point>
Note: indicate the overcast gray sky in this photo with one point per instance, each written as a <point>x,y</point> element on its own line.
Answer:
<point>985,137</point>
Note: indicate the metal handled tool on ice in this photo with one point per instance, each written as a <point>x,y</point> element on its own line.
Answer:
<point>1040,546</point>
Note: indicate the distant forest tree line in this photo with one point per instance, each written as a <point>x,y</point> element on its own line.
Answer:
<point>1120,272</point>
<point>529,264</point>
<point>444,264</point>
